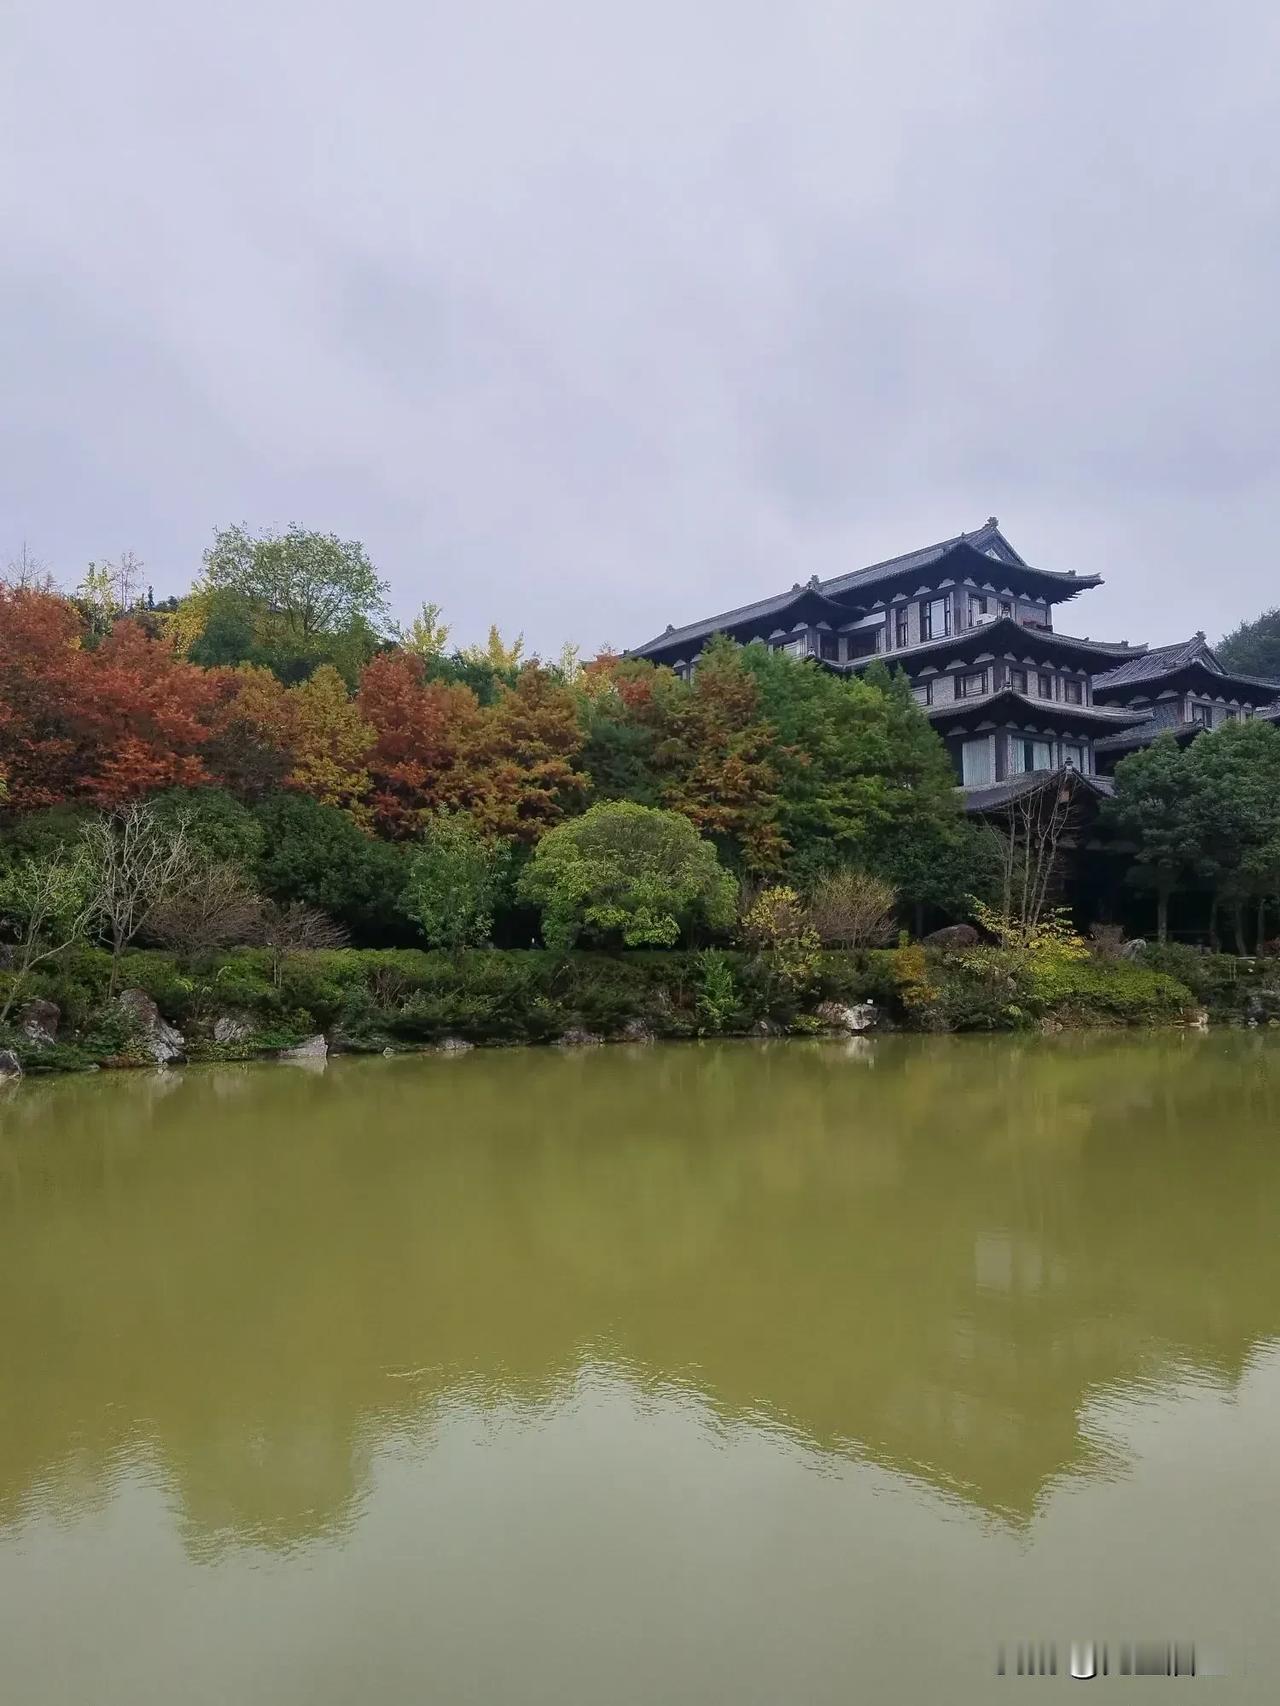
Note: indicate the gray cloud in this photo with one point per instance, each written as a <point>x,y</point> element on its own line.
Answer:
<point>591,317</point>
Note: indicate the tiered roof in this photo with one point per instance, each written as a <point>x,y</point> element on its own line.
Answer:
<point>842,598</point>
<point>1189,662</point>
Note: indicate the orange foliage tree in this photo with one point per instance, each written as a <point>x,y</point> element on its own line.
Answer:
<point>156,711</point>
<point>532,736</point>
<point>715,754</point>
<point>248,750</point>
<point>426,747</point>
<point>42,695</point>
<point>102,726</point>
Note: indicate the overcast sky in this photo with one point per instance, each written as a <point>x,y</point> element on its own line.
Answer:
<point>589,316</point>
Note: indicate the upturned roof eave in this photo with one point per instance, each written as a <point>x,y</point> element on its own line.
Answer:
<point>1109,716</point>
<point>744,615</point>
<point>966,547</point>
<point>1009,628</point>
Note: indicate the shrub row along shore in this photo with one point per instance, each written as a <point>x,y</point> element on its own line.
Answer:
<point>250,1004</point>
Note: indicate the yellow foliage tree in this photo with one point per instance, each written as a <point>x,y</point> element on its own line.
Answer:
<point>329,741</point>
<point>496,652</point>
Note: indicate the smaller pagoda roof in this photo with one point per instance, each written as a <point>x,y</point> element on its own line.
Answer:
<point>990,798</point>
<point>1162,720</point>
<point>1159,663</point>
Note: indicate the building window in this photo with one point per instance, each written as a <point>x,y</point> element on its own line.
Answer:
<point>829,647</point>
<point>1018,680</point>
<point>977,762</point>
<point>923,695</point>
<point>797,648</point>
<point>1044,685</point>
<point>1076,754</point>
<point>902,627</point>
<point>1006,607</point>
<point>977,607</point>
<point>880,639</point>
<point>935,618</point>
<point>973,685</point>
<point>1073,691</point>
<point>1230,715</point>
<point>1027,755</point>
<point>1202,716</point>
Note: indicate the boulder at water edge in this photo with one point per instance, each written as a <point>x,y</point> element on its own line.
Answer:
<point>861,1016</point>
<point>10,1065</point>
<point>310,1048</point>
<point>165,1045</point>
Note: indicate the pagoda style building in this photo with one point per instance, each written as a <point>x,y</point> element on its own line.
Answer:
<point>971,624</point>
<point>1185,688</point>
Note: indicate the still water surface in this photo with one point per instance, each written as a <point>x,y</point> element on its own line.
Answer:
<point>796,1373</point>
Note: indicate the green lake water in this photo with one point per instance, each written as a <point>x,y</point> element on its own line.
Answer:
<point>789,1373</point>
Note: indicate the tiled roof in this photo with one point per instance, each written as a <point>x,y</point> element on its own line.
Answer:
<point>1116,715</point>
<point>1160,661</point>
<point>1001,793</point>
<point>984,538</point>
<point>727,618</point>
<point>1164,720</point>
<point>1155,662</point>
<point>1005,628</point>
<point>987,539</point>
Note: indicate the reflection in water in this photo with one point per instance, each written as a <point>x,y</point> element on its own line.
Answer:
<point>262,1297</point>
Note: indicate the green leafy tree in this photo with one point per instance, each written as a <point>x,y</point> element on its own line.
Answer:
<point>309,598</point>
<point>777,926</point>
<point>864,780</point>
<point>317,856</point>
<point>1233,809</point>
<point>1151,808</point>
<point>44,906</point>
<point>224,829</point>
<point>718,998</point>
<point>219,626</point>
<point>626,872</point>
<point>1254,647</point>
<point>456,879</point>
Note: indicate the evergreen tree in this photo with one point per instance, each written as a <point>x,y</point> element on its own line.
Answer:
<point>1254,647</point>
<point>1152,808</point>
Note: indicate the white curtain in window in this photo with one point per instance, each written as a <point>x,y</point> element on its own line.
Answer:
<point>978,763</point>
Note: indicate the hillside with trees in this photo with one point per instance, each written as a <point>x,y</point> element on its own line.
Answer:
<point>264,809</point>
<point>334,759</point>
